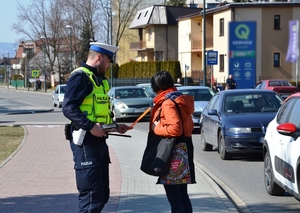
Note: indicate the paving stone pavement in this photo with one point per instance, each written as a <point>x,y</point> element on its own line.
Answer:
<point>39,177</point>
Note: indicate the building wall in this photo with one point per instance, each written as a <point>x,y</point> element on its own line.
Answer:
<point>275,41</point>
<point>196,36</point>
<point>124,53</point>
<point>185,46</point>
<point>221,44</point>
<point>166,41</point>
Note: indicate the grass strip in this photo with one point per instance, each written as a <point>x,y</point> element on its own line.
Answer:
<point>10,138</point>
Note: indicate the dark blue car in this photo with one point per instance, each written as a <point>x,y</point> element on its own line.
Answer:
<point>235,121</point>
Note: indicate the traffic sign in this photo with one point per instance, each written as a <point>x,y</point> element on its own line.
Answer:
<point>212,57</point>
<point>35,73</point>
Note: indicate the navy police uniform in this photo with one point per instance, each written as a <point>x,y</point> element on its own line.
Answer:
<point>91,159</point>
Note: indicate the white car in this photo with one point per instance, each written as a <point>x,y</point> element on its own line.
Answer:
<point>58,95</point>
<point>281,150</point>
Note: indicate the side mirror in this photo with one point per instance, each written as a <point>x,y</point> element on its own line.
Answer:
<point>288,129</point>
<point>212,112</point>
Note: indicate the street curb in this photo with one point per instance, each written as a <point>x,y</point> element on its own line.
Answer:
<point>225,192</point>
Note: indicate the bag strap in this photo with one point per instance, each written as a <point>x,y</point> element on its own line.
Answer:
<point>178,109</point>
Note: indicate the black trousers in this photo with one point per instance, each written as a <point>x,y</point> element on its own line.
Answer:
<point>93,187</point>
<point>178,198</point>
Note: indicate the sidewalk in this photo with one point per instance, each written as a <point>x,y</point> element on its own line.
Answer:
<point>39,177</point>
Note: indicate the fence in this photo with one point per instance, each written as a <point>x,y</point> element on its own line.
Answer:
<point>128,81</point>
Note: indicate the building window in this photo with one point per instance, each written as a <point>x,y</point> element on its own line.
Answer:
<point>276,59</point>
<point>158,56</point>
<point>222,63</point>
<point>277,22</point>
<point>221,27</point>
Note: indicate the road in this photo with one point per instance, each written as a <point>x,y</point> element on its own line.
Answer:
<point>241,178</point>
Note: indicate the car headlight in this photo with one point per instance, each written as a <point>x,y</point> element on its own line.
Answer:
<point>238,130</point>
<point>121,105</point>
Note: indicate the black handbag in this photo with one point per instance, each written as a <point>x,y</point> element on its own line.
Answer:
<point>158,153</point>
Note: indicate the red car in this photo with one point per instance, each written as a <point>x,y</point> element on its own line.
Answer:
<point>282,87</point>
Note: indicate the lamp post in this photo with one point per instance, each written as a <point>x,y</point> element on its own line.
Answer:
<point>71,51</point>
<point>204,43</point>
<point>45,73</point>
<point>7,70</point>
<point>109,12</point>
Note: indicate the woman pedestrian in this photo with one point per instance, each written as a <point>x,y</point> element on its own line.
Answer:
<point>174,124</point>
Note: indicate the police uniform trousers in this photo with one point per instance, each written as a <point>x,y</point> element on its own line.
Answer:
<point>93,181</point>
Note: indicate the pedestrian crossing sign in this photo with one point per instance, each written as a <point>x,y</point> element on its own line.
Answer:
<point>35,73</point>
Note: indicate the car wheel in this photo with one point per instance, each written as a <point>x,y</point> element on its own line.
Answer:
<point>205,146</point>
<point>54,104</point>
<point>221,147</point>
<point>271,187</point>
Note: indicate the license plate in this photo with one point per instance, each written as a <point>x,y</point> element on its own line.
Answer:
<point>139,110</point>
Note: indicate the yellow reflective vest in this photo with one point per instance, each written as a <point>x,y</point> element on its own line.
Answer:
<point>96,105</point>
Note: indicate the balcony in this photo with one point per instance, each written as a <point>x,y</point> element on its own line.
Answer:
<point>197,43</point>
<point>138,45</point>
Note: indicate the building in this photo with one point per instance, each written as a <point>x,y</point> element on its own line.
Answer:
<point>272,38</point>
<point>157,32</point>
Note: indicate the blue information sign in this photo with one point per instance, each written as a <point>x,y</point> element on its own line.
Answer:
<point>242,53</point>
<point>212,57</point>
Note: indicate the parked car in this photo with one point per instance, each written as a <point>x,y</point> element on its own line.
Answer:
<point>202,96</point>
<point>129,102</point>
<point>235,121</point>
<point>148,89</point>
<point>281,150</point>
<point>282,87</point>
<point>58,95</point>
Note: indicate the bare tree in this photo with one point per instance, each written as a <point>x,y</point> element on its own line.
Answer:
<point>42,22</point>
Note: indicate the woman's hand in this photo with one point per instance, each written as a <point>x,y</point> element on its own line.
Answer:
<point>123,128</point>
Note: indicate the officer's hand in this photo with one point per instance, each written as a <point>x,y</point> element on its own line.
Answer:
<point>98,131</point>
<point>122,128</point>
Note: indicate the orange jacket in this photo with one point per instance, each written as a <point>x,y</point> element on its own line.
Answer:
<point>170,124</point>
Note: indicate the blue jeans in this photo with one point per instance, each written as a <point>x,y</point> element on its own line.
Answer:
<point>178,198</point>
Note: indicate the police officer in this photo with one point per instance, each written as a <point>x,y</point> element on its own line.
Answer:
<point>86,105</point>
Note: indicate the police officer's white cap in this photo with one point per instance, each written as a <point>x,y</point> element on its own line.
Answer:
<point>106,49</point>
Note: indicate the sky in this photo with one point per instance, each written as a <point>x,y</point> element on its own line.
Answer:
<point>8,16</point>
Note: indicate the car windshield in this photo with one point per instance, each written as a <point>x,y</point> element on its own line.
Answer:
<point>242,103</point>
<point>199,94</point>
<point>62,89</point>
<point>131,93</point>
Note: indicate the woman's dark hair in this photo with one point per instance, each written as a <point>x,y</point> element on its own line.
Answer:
<point>162,80</point>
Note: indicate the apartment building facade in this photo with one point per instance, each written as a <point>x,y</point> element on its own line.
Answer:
<point>272,38</point>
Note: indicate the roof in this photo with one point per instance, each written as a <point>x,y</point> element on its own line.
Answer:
<point>225,6</point>
<point>246,91</point>
<point>160,15</point>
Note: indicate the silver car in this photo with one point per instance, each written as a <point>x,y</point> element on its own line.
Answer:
<point>147,87</point>
<point>129,102</point>
<point>58,95</point>
<point>202,96</point>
